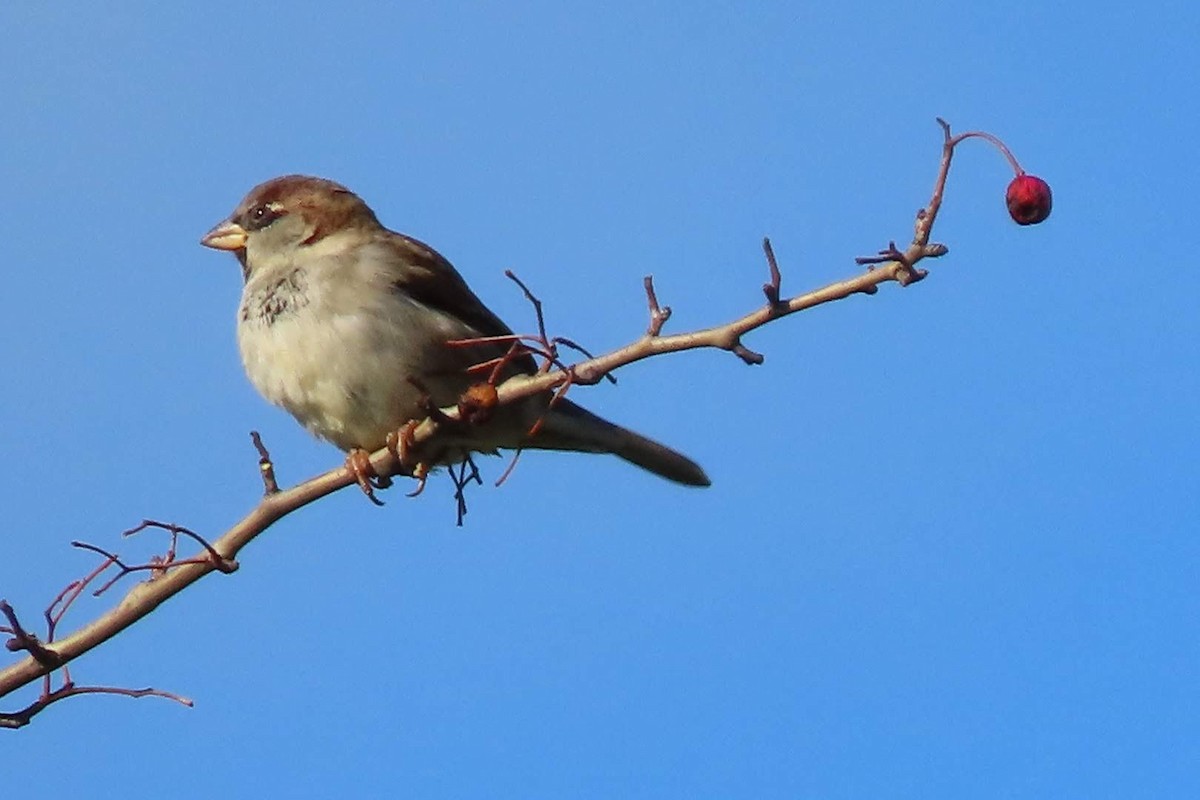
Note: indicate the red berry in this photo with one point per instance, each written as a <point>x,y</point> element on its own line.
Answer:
<point>1028,199</point>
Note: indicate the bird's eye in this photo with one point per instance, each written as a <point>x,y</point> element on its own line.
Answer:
<point>262,215</point>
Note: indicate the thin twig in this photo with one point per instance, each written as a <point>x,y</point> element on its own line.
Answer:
<point>223,564</point>
<point>68,596</point>
<point>771,289</point>
<point>24,640</point>
<point>19,719</point>
<point>658,314</point>
<point>266,467</point>
<point>581,349</point>
<point>537,304</point>
<point>461,479</point>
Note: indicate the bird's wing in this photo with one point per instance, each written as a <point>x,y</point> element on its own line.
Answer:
<point>432,281</point>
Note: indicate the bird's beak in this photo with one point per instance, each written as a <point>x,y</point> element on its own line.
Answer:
<point>225,236</point>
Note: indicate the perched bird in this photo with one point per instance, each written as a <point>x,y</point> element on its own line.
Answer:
<point>345,324</point>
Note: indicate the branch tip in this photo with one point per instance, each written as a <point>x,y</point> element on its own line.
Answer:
<point>746,354</point>
<point>537,304</point>
<point>20,719</point>
<point>658,314</point>
<point>265,466</point>
<point>771,289</point>
<point>945,129</point>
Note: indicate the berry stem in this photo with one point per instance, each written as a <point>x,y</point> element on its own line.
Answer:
<point>1003,148</point>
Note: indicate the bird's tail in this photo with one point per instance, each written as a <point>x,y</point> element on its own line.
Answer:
<point>571,427</point>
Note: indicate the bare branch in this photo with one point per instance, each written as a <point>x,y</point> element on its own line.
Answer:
<point>171,576</point>
<point>144,597</point>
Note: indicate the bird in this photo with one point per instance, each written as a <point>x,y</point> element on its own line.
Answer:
<point>344,324</point>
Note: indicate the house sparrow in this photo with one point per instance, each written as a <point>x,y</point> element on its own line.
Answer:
<point>345,324</point>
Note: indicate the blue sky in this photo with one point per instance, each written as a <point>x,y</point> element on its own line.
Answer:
<point>951,545</point>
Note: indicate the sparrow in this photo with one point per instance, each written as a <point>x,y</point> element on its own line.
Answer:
<point>345,324</point>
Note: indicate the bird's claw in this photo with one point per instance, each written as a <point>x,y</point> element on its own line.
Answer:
<point>421,473</point>
<point>402,444</point>
<point>358,463</point>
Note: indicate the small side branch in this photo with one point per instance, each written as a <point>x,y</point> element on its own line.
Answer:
<point>658,314</point>
<point>772,288</point>
<point>266,467</point>
<point>466,474</point>
<point>24,640</point>
<point>19,719</point>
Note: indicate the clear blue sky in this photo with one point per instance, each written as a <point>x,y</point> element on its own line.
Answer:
<point>951,549</point>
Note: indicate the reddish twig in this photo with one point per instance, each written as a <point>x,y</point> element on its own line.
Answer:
<point>155,566</point>
<point>548,345</point>
<point>222,564</point>
<point>608,376</point>
<point>19,719</point>
<point>536,428</point>
<point>995,141</point>
<point>512,465</point>
<point>158,565</point>
<point>68,596</point>
<point>24,640</point>
<point>534,301</point>
<point>515,349</point>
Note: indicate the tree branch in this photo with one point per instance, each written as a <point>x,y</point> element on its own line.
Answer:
<point>890,265</point>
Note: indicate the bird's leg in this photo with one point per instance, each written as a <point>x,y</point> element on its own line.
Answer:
<point>401,444</point>
<point>475,407</point>
<point>358,463</point>
<point>425,403</point>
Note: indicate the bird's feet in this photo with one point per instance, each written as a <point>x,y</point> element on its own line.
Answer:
<point>402,444</point>
<point>358,464</point>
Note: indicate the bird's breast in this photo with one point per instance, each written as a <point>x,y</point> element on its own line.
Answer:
<point>276,297</point>
<point>340,368</point>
